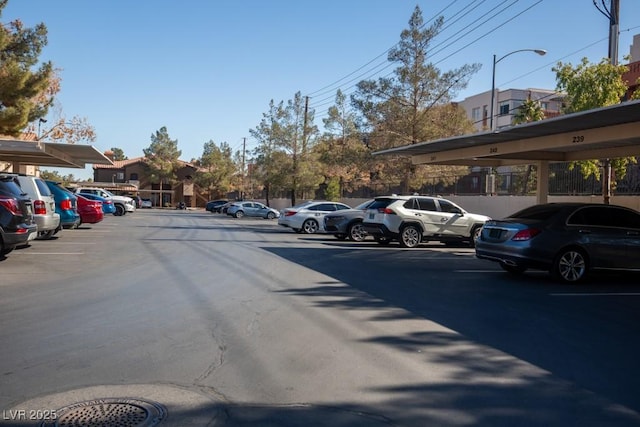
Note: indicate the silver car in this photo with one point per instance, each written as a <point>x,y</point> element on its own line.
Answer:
<point>347,224</point>
<point>308,217</point>
<point>43,203</point>
<point>255,209</point>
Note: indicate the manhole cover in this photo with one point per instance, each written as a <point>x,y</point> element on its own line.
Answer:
<point>109,413</point>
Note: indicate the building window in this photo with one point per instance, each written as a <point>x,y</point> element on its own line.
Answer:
<point>544,105</point>
<point>120,176</point>
<point>133,177</point>
<point>484,115</point>
<point>475,114</point>
<point>504,108</point>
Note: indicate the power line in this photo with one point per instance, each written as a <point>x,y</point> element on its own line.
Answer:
<point>386,64</point>
<point>320,91</point>
<point>463,47</point>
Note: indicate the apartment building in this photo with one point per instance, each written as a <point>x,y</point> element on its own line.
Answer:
<point>506,105</point>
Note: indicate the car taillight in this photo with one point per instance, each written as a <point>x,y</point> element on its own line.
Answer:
<point>386,211</point>
<point>39,207</point>
<point>66,205</point>
<point>11,204</point>
<point>107,202</point>
<point>526,234</point>
<point>289,213</point>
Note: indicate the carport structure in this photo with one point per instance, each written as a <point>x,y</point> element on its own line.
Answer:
<point>37,153</point>
<point>603,133</point>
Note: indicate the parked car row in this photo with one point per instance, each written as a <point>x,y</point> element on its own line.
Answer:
<point>409,220</point>
<point>32,208</point>
<point>569,240</point>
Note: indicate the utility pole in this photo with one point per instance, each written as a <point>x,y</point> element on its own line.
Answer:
<point>613,13</point>
<point>244,149</point>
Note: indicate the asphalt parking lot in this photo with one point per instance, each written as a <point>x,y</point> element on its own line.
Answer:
<point>249,315</point>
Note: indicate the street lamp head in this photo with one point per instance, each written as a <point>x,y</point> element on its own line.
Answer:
<point>493,78</point>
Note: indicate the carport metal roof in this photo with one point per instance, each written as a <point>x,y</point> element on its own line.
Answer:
<point>50,154</point>
<point>607,132</point>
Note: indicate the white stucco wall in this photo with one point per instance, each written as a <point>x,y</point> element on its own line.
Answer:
<point>498,206</point>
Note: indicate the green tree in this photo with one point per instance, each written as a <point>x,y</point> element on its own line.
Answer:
<point>161,158</point>
<point>290,129</point>
<point>217,169</point>
<point>272,165</point>
<point>332,191</point>
<point>590,86</point>
<point>22,81</point>
<point>341,149</point>
<point>55,176</point>
<point>118,154</point>
<point>398,110</point>
<point>529,111</point>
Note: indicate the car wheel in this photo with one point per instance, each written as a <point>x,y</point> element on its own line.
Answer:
<point>310,226</point>
<point>119,210</point>
<point>271,215</point>
<point>340,236</point>
<point>570,265</point>
<point>382,241</point>
<point>410,236</point>
<point>46,235</point>
<point>4,249</point>
<point>475,235</point>
<point>356,232</point>
<point>238,214</point>
<point>513,269</point>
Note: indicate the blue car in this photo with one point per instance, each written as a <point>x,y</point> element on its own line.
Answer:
<point>107,205</point>
<point>66,205</point>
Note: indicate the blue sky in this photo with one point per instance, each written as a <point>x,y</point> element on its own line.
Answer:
<point>207,69</point>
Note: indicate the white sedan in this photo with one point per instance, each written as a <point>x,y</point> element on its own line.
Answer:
<point>308,217</point>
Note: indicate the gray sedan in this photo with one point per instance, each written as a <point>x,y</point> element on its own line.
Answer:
<point>567,239</point>
<point>347,223</point>
<point>256,209</point>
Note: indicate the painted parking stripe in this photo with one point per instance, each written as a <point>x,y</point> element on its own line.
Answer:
<point>477,271</point>
<point>48,253</point>
<point>598,294</point>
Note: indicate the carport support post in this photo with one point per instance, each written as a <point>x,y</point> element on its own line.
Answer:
<point>543,182</point>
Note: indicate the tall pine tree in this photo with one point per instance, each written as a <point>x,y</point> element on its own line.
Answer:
<point>22,81</point>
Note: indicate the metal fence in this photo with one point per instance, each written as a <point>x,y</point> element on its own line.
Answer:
<point>563,181</point>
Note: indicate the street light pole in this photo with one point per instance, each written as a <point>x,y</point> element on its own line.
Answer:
<point>493,78</point>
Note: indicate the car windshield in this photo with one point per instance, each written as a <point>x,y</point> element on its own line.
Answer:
<point>303,204</point>
<point>363,205</point>
<point>10,185</point>
<point>381,203</point>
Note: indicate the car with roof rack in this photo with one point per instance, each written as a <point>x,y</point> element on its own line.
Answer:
<point>414,219</point>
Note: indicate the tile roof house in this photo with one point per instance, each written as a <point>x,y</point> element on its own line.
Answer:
<point>132,176</point>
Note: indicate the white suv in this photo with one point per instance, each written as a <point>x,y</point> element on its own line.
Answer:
<point>123,204</point>
<point>43,203</point>
<point>413,219</point>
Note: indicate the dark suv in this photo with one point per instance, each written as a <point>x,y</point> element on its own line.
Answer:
<point>17,225</point>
